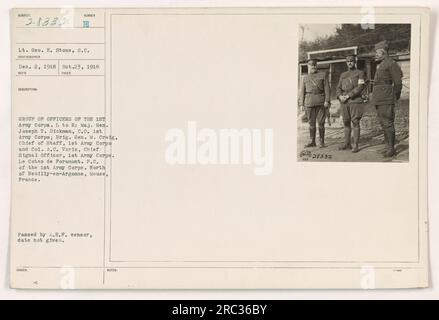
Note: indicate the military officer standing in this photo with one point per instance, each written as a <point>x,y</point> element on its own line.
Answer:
<point>314,98</point>
<point>386,90</point>
<point>349,93</point>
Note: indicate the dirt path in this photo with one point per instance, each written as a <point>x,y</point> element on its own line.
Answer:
<point>371,140</point>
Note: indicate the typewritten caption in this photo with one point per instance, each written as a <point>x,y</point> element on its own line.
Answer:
<point>62,147</point>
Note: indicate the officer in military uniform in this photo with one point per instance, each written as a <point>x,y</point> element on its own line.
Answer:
<point>387,88</point>
<point>314,98</point>
<point>349,93</point>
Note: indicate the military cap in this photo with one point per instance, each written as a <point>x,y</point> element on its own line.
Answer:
<point>382,45</point>
<point>351,57</point>
<point>312,61</point>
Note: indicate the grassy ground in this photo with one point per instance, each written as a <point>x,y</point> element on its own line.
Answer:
<point>371,140</point>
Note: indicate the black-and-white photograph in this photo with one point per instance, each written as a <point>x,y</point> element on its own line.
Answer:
<point>354,92</point>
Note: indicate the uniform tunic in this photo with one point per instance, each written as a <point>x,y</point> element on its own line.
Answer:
<point>386,90</point>
<point>313,93</point>
<point>351,83</point>
<point>387,84</point>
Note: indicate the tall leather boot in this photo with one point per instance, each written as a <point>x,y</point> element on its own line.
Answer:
<point>312,135</point>
<point>385,138</point>
<point>356,139</point>
<point>322,137</point>
<point>347,139</point>
<point>386,142</point>
<point>390,143</point>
